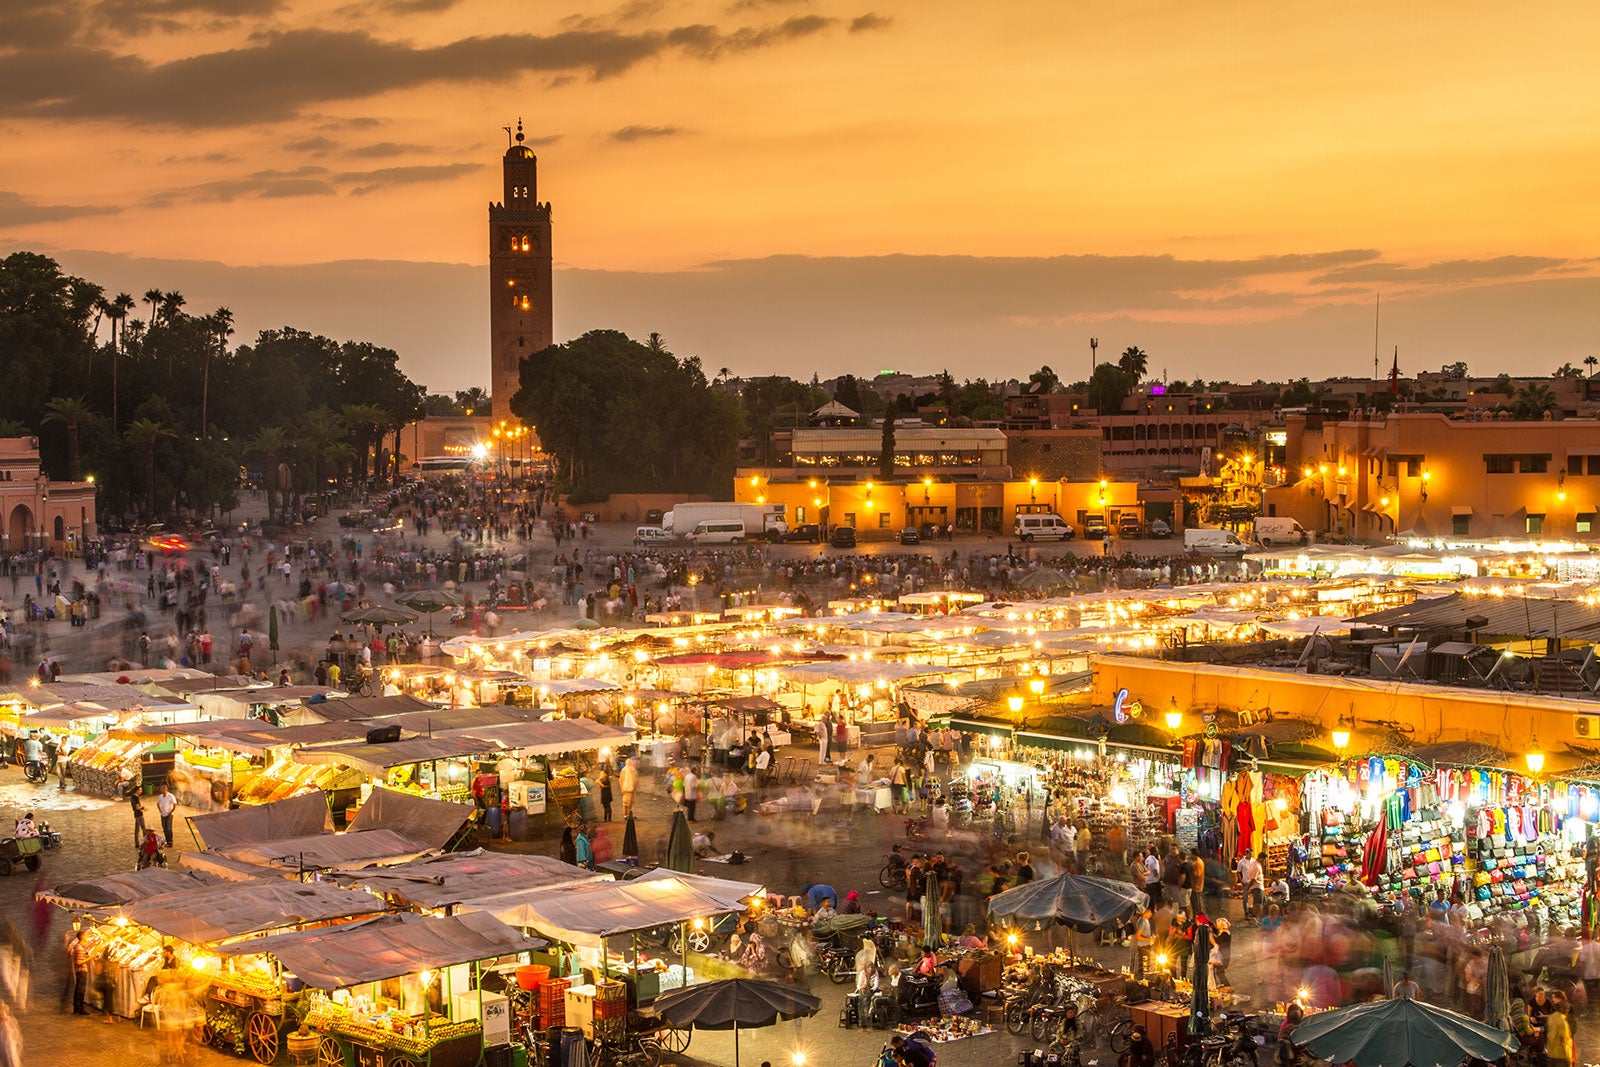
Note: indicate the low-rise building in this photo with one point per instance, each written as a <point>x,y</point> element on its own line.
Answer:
<point>36,512</point>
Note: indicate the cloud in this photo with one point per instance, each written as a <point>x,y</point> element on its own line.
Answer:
<point>757,5</point>
<point>1455,270</point>
<point>19,210</point>
<point>309,180</point>
<point>313,146</point>
<point>417,7</point>
<point>385,150</point>
<point>146,16</point>
<point>38,23</point>
<point>206,157</point>
<point>280,75</point>
<point>870,21</point>
<point>708,42</point>
<point>629,134</point>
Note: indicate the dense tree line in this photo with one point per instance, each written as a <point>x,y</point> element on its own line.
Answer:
<point>152,401</point>
<point>619,415</point>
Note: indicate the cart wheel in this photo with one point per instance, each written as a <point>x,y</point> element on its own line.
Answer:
<point>699,940</point>
<point>207,1034</point>
<point>261,1031</point>
<point>32,863</point>
<point>5,867</point>
<point>330,1053</point>
<point>676,1041</point>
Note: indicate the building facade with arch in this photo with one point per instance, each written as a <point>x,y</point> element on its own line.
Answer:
<point>36,512</point>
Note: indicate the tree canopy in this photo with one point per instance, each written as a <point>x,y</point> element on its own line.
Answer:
<point>623,416</point>
<point>82,369</point>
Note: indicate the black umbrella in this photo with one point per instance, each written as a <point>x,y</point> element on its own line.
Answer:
<point>429,601</point>
<point>680,845</point>
<point>1400,1033</point>
<point>1081,901</point>
<point>630,839</point>
<point>734,1003</point>
<point>380,615</point>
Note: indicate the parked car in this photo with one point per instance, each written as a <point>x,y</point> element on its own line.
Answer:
<point>806,533</point>
<point>650,535</point>
<point>1160,530</point>
<point>1128,528</point>
<point>653,516</point>
<point>1042,527</point>
<point>1094,528</point>
<point>843,537</point>
<point>910,536</point>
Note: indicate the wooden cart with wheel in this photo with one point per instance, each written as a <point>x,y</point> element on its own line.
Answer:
<point>343,1042</point>
<point>19,852</point>
<point>248,1016</point>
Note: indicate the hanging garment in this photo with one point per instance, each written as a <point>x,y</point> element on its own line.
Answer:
<point>1230,837</point>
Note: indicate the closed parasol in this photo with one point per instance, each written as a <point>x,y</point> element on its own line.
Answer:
<point>734,1004</point>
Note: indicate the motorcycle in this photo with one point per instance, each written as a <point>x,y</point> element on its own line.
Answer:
<point>837,962</point>
<point>36,770</point>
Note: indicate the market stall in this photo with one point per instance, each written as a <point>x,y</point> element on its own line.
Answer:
<point>401,989</point>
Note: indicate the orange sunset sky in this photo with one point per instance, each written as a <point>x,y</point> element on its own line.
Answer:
<point>789,186</point>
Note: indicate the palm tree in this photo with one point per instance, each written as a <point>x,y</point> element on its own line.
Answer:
<point>363,422</point>
<point>71,412</point>
<point>13,428</point>
<point>153,298</point>
<point>118,313</point>
<point>472,400</point>
<point>320,429</point>
<point>1134,362</point>
<point>144,434</point>
<point>171,304</point>
<point>269,444</point>
<point>340,455</point>
<point>1590,362</point>
<point>220,323</point>
<point>1533,401</point>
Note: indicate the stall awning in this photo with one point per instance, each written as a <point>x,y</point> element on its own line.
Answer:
<point>555,736</point>
<point>423,820</point>
<point>377,759</point>
<point>583,914</point>
<point>441,720</point>
<point>349,708</point>
<point>298,816</point>
<point>126,887</point>
<point>566,687</point>
<point>857,673</point>
<point>233,910</point>
<point>387,947</point>
<point>732,894</point>
<point>977,724</point>
<point>295,854</point>
<point>441,881</point>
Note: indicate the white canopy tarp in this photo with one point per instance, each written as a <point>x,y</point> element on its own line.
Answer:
<point>391,946</point>
<point>584,914</point>
<point>731,893</point>
<point>442,881</point>
<point>232,910</point>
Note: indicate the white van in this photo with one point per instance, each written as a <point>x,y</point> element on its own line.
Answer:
<point>718,532</point>
<point>1046,527</point>
<point>1275,531</point>
<point>1213,543</point>
<point>651,535</point>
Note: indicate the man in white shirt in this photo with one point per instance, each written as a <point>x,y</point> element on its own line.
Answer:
<point>629,781</point>
<point>691,792</point>
<point>166,804</point>
<point>1152,877</point>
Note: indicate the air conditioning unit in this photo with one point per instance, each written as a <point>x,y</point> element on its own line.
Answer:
<point>1586,726</point>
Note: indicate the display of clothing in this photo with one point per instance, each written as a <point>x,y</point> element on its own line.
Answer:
<point>1230,837</point>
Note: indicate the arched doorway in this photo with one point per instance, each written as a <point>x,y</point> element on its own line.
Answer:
<point>17,528</point>
<point>60,530</point>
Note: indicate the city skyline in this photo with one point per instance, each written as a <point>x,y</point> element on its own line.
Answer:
<point>786,187</point>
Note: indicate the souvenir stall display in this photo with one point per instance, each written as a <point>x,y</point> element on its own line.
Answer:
<point>123,957</point>
<point>1508,845</point>
<point>209,778</point>
<point>104,765</point>
<point>1124,797</point>
<point>284,778</point>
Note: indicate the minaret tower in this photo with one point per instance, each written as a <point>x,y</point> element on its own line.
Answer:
<point>519,275</point>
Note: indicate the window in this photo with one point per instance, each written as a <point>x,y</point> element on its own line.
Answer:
<point>799,513</point>
<point>1575,466</point>
<point>1535,524</point>
<point>850,518</point>
<point>1585,522</point>
<point>1498,464</point>
<point>883,520</point>
<point>1594,465</point>
<point>1459,525</point>
<point>1537,464</point>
